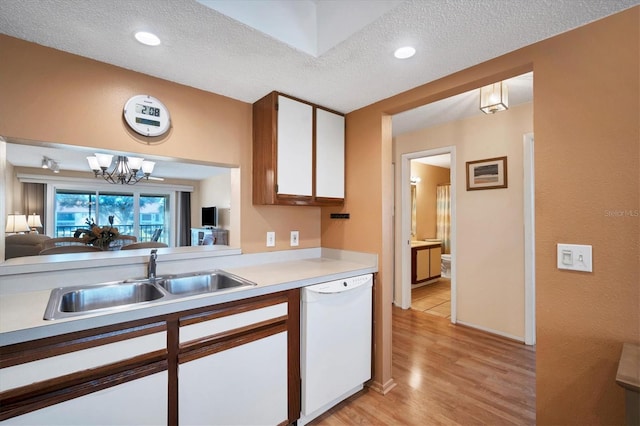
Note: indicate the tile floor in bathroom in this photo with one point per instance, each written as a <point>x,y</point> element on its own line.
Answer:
<point>434,299</point>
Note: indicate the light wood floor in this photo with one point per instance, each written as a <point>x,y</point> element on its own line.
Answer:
<point>446,375</point>
<point>434,299</point>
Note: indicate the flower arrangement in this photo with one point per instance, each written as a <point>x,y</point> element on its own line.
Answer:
<point>96,235</point>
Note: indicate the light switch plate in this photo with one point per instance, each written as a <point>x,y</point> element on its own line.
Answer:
<point>575,257</point>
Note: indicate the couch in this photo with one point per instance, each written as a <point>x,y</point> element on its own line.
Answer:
<point>19,245</point>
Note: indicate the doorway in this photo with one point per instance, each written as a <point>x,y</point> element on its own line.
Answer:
<point>489,292</point>
<point>431,235</point>
<point>414,234</point>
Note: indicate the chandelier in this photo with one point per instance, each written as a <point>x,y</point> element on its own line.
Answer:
<point>126,170</point>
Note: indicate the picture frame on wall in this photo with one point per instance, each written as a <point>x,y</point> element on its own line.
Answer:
<point>490,173</point>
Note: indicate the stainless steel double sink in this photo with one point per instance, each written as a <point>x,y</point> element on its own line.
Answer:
<point>66,302</point>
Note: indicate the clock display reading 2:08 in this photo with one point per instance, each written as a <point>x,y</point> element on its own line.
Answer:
<point>147,110</point>
<point>147,116</point>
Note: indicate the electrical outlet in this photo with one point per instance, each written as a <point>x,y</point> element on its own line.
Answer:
<point>271,239</point>
<point>295,238</point>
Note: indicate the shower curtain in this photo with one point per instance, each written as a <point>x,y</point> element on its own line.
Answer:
<point>443,216</point>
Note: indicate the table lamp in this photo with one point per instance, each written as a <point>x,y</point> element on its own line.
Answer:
<point>16,223</point>
<point>34,222</point>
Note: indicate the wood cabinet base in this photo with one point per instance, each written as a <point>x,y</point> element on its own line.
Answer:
<point>58,394</point>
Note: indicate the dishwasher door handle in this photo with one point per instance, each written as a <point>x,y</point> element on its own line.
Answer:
<point>341,286</point>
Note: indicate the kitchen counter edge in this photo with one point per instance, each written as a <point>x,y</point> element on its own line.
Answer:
<point>23,324</point>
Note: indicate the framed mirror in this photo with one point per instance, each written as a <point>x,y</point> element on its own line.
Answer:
<point>55,182</point>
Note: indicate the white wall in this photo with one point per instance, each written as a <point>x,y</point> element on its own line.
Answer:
<point>4,196</point>
<point>213,191</point>
<point>11,188</point>
<point>490,223</point>
<point>216,190</point>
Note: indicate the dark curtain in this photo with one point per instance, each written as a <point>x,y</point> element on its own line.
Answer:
<point>33,201</point>
<point>184,216</point>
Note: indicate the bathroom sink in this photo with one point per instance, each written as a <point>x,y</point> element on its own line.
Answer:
<point>71,301</point>
<point>202,282</point>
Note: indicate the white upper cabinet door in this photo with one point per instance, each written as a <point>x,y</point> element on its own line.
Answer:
<point>295,147</point>
<point>329,154</point>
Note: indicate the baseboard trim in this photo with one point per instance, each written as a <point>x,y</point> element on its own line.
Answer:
<point>518,339</point>
<point>382,388</point>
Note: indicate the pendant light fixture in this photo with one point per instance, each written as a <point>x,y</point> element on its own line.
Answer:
<point>494,98</point>
<point>126,170</point>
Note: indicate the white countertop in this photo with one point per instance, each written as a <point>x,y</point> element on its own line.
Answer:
<point>425,243</point>
<point>21,313</point>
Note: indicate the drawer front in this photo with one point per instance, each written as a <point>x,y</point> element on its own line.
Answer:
<point>60,365</point>
<point>231,322</point>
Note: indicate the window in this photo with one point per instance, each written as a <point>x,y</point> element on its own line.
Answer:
<point>146,216</point>
<point>72,210</point>
<point>121,207</point>
<point>153,218</point>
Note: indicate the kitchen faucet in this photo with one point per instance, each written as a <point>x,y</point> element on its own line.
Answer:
<point>151,268</point>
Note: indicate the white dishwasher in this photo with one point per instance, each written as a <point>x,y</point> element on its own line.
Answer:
<point>335,343</point>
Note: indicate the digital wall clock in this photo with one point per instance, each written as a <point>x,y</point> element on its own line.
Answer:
<point>147,115</point>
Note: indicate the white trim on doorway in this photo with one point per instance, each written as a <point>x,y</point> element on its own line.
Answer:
<point>529,242</point>
<point>402,289</point>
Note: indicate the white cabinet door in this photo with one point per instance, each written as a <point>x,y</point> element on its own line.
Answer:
<point>329,154</point>
<point>295,147</point>
<point>245,385</point>
<point>138,402</point>
<point>141,401</point>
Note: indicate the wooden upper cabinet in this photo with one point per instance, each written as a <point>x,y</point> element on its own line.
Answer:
<point>298,153</point>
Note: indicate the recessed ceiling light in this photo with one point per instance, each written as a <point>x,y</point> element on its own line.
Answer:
<point>404,52</point>
<point>147,38</point>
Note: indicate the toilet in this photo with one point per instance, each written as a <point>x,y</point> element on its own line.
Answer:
<point>445,264</point>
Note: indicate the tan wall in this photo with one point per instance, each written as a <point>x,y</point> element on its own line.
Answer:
<point>431,177</point>
<point>490,223</point>
<point>48,95</point>
<point>586,102</point>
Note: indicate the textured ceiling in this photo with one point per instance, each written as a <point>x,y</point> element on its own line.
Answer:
<point>208,50</point>
<point>311,26</point>
<point>459,107</point>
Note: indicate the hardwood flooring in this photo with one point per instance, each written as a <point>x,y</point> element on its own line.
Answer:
<point>446,375</point>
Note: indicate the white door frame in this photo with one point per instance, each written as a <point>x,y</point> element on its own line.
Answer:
<point>529,242</point>
<point>403,238</point>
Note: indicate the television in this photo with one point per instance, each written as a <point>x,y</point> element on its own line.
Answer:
<point>209,217</point>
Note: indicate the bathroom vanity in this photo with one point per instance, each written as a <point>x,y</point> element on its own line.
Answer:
<point>425,261</point>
